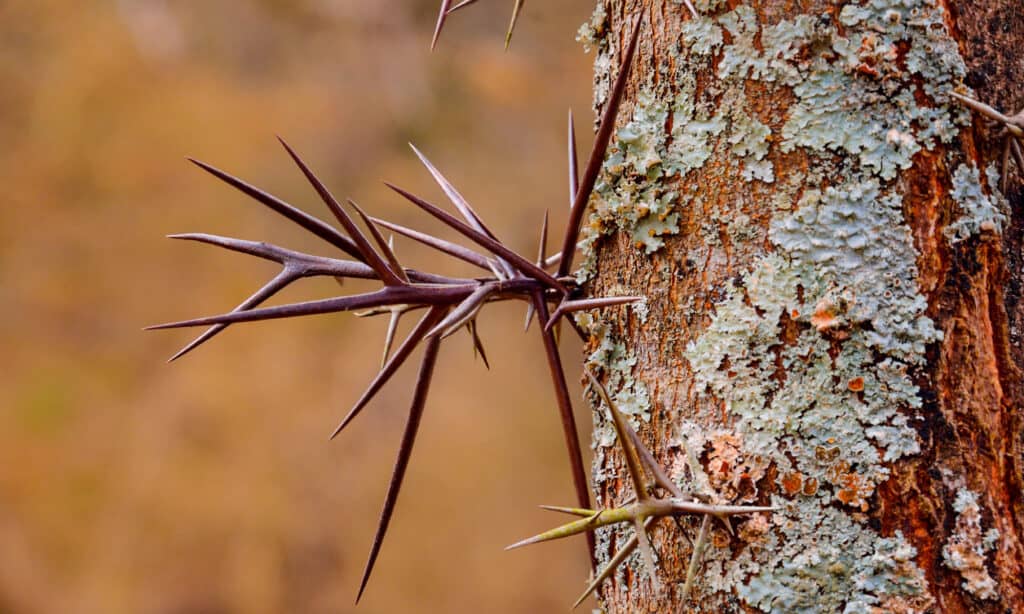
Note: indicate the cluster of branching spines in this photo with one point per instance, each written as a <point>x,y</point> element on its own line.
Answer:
<point>643,509</point>
<point>1011,128</point>
<point>449,6</point>
<point>451,303</point>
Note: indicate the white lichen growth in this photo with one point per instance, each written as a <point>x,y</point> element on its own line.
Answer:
<point>968,547</point>
<point>977,210</point>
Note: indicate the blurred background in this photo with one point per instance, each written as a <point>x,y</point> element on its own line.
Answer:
<point>208,485</point>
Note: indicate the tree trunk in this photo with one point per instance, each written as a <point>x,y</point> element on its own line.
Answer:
<point>833,323</point>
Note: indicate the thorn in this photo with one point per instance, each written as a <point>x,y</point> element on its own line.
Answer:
<point>572,442</point>
<point>460,203</point>
<point>404,453</point>
<point>591,303</point>
<point>314,225</point>
<point>698,552</point>
<point>574,165</point>
<point>609,569</point>
<point>492,245</point>
<point>647,552</point>
<point>572,511</point>
<point>417,334</point>
<point>512,26</point>
<point>452,249</point>
<point>441,16</point>
<point>604,135</point>
<point>621,430</point>
<point>389,336</point>
<point>388,247</point>
<point>370,256</point>
<point>478,346</point>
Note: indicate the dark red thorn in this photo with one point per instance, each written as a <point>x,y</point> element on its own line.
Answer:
<point>478,346</point>
<point>464,311</point>
<point>463,206</point>
<point>370,255</point>
<point>542,247</point>
<point>417,334</point>
<point>1005,168</point>
<point>452,249</point>
<point>590,303</point>
<point>412,425</point>
<point>441,17</point>
<point>314,225</point>
<point>389,253</point>
<point>574,164</point>
<point>604,135</point>
<point>268,251</point>
<point>392,295</point>
<point>272,287</point>
<point>572,440</point>
<point>492,245</point>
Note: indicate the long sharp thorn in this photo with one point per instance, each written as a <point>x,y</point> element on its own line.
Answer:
<point>441,17</point>
<point>478,346</point>
<point>698,552</point>
<point>621,426</point>
<point>516,9</point>
<point>660,477</point>
<point>369,254</point>
<point>981,107</point>
<point>572,511</point>
<point>461,5</point>
<point>604,135</point>
<point>453,195</point>
<point>464,311</point>
<point>609,569</point>
<point>387,247</point>
<point>452,249</point>
<point>463,206</point>
<point>379,298</point>
<point>529,317</point>
<point>542,247</point>
<point>574,165</point>
<point>572,441</point>
<point>586,524</point>
<point>591,303</point>
<point>647,551</point>
<point>272,287</point>
<point>389,336</point>
<point>314,225</point>
<point>404,452</point>
<point>528,268</point>
<point>417,334</point>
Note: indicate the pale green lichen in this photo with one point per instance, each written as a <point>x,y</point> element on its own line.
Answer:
<point>848,571</point>
<point>977,210</point>
<point>968,547</point>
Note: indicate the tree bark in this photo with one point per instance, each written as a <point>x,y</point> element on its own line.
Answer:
<point>834,315</point>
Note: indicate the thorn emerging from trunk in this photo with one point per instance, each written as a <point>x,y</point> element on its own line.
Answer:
<point>643,511</point>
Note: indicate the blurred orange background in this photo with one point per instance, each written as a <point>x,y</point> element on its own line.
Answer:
<point>208,485</point>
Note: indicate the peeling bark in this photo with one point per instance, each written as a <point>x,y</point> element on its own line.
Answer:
<point>834,316</point>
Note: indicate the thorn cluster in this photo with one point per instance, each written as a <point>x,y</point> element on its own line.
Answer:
<point>450,303</point>
<point>447,9</point>
<point>1011,130</point>
<point>644,508</point>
